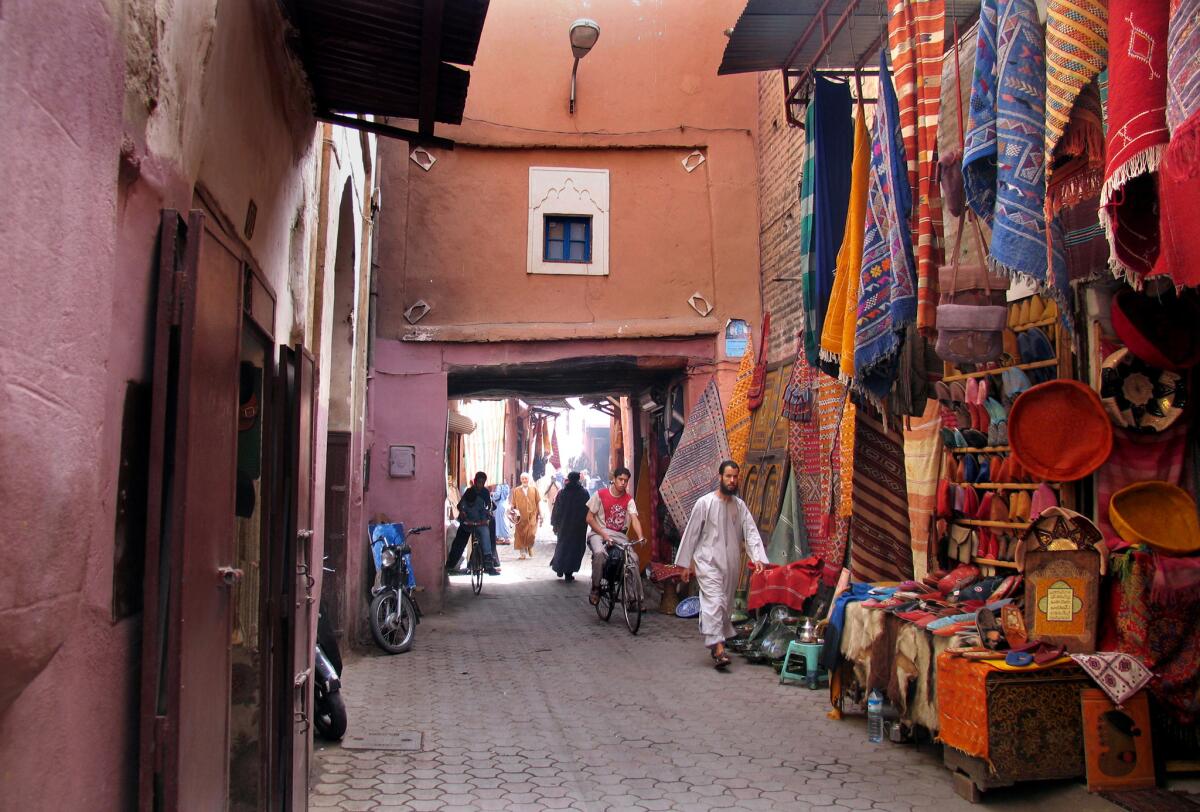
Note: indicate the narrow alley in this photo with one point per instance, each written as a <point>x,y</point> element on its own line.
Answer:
<point>524,700</point>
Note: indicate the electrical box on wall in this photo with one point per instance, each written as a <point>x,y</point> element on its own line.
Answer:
<point>402,461</point>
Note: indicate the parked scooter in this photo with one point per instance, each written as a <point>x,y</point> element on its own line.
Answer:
<point>394,611</point>
<point>329,709</point>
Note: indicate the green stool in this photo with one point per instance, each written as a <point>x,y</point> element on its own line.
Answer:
<point>810,655</point>
<point>795,648</point>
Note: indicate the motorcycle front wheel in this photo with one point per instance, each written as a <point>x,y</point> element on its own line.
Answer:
<point>330,717</point>
<point>393,621</point>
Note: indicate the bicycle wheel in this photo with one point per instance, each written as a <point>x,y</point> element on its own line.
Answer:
<point>629,591</point>
<point>476,566</point>
<point>608,600</point>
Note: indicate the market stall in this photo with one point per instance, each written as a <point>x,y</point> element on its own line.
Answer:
<point>990,447</point>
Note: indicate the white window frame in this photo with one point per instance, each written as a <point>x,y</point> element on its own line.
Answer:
<point>569,192</point>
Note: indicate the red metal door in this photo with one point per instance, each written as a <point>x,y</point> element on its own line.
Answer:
<point>190,527</point>
<point>298,379</point>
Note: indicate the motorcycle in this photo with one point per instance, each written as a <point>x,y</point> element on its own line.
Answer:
<point>329,715</point>
<point>394,611</point>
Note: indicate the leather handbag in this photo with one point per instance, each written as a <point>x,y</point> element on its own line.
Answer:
<point>971,313</point>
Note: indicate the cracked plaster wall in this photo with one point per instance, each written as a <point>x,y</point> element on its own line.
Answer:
<point>116,110</point>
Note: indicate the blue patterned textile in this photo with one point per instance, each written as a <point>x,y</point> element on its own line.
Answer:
<point>1012,134</point>
<point>887,297</point>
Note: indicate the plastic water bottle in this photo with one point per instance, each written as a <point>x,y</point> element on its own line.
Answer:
<point>875,717</point>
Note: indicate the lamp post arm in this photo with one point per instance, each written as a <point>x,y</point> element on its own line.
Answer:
<point>574,70</point>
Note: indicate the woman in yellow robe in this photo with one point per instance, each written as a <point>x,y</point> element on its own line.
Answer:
<point>526,503</point>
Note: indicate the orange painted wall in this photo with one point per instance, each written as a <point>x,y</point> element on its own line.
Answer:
<point>648,94</point>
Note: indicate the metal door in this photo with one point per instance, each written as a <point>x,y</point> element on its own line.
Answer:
<point>298,380</point>
<point>190,526</point>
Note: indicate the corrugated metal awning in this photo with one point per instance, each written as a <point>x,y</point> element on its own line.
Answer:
<point>801,37</point>
<point>388,58</point>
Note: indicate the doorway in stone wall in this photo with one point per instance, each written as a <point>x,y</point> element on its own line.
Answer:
<point>590,415</point>
<point>339,438</point>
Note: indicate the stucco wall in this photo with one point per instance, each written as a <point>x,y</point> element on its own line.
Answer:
<point>462,244</point>
<point>116,110</point>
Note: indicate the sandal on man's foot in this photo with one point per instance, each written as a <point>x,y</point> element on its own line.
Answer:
<point>721,661</point>
<point>594,598</point>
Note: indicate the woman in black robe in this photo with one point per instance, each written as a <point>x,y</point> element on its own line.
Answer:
<point>569,520</point>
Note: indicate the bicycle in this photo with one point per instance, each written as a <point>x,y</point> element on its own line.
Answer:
<point>475,558</point>
<point>623,588</point>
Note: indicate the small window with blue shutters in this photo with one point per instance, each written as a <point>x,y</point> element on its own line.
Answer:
<point>567,239</point>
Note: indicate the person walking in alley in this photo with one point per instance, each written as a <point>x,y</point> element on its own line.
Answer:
<point>711,550</point>
<point>474,515</point>
<point>569,520</point>
<point>611,512</point>
<point>527,503</point>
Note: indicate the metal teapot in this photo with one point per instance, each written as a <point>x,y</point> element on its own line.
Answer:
<point>808,631</point>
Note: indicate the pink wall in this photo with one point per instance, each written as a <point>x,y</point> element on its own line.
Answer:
<point>87,171</point>
<point>71,664</point>
<point>408,407</point>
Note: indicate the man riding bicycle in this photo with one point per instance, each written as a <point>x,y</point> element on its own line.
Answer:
<point>611,512</point>
<point>475,516</point>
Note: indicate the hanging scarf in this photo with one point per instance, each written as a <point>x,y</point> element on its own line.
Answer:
<point>737,413</point>
<point>833,138</point>
<point>1137,133</point>
<point>916,35</point>
<point>808,173</point>
<point>887,295</point>
<point>758,380</point>
<point>1180,256</point>
<point>1076,52</point>
<point>979,148</point>
<point>837,335</point>
<point>956,97</point>
<point>1183,86</point>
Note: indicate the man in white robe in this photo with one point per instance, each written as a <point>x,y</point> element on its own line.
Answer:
<point>711,549</point>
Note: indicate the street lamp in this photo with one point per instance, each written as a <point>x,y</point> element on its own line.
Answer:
<point>584,33</point>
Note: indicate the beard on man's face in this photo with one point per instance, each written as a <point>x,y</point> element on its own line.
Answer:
<point>729,490</point>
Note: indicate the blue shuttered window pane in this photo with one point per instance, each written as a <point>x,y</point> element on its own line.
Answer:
<point>567,239</point>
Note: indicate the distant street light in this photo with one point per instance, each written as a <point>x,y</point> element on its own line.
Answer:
<point>584,33</point>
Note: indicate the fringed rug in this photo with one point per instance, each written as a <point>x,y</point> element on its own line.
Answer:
<point>1137,133</point>
<point>880,542</point>
<point>693,468</point>
<point>1076,52</point>
<point>916,36</point>
<point>1019,223</point>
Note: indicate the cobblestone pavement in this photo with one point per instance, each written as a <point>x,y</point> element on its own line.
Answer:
<point>526,701</point>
